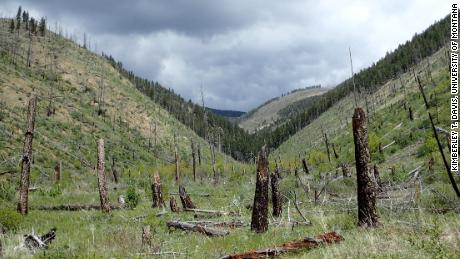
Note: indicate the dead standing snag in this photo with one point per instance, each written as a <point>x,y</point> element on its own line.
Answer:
<point>367,214</point>
<point>259,220</point>
<point>27,158</point>
<point>101,181</point>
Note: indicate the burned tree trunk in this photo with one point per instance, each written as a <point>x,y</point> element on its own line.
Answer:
<point>176,156</point>
<point>185,198</point>
<point>259,220</point>
<point>336,155</point>
<point>101,181</point>
<point>57,171</point>
<point>27,158</point>
<point>305,167</point>
<point>326,142</point>
<point>199,154</point>
<point>157,196</point>
<point>173,204</point>
<point>367,214</point>
<point>193,161</point>
<point>276,193</point>
<point>446,164</point>
<point>114,171</point>
<point>411,115</point>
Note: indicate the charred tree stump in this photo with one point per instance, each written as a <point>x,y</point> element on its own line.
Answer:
<point>57,171</point>
<point>27,158</point>
<point>173,204</point>
<point>259,220</point>
<point>276,193</point>
<point>114,171</point>
<point>345,170</point>
<point>101,181</point>
<point>411,115</point>
<point>305,167</point>
<point>146,236</point>
<point>185,198</point>
<point>367,214</point>
<point>157,196</point>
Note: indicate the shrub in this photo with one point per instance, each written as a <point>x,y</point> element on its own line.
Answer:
<point>9,220</point>
<point>132,197</point>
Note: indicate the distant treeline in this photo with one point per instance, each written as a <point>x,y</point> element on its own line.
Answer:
<point>226,113</point>
<point>242,145</point>
<point>215,128</point>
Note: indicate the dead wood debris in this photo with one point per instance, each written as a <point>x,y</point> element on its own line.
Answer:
<point>213,232</point>
<point>307,243</point>
<point>34,242</point>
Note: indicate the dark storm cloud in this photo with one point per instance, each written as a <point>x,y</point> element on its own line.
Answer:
<point>242,52</point>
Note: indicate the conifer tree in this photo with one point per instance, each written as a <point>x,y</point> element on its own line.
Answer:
<point>12,26</point>
<point>18,18</point>
<point>42,26</point>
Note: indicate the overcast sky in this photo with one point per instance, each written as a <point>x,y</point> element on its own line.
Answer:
<point>242,52</point>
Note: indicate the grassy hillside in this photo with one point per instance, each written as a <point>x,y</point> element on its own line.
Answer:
<point>270,112</point>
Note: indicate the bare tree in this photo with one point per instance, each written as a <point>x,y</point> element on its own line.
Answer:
<point>102,183</point>
<point>27,157</point>
<point>367,214</point>
<point>259,220</point>
<point>276,193</point>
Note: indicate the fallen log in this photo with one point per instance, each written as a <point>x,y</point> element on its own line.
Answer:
<point>213,212</point>
<point>33,242</point>
<point>230,224</point>
<point>193,194</point>
<point>74,207</point>
<point>160,253</point>
<point>388,145</point>
<point>307,243</point>
<point>197,228</point>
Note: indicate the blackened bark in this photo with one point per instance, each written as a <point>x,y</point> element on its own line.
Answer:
<point>411,115</point>
<point>367,214</point>
<point>305,167</point>
<point>57,172</point>
<point>27,158</point>
<point>173,204</point>
<point>176,156</point>
<point>276,193</point>
<point>259,220</point>
<point>185,198</point>
<point>336,155</point>
<point>114,171</point>
<point>157,195</point>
